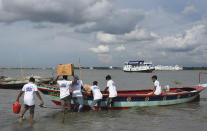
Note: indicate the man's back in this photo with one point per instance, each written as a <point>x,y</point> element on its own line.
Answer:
<point>29,90</point>
<point>64,88</point>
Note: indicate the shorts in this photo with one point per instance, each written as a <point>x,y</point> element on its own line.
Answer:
<point>31,108</point>
<point>66,101</point>
<point>110,101</point>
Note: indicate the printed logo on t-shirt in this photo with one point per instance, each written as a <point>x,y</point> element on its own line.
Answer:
<point>95,87</point>
<point>113,84</point>
<point>63,85</point>
<point>28,89</point>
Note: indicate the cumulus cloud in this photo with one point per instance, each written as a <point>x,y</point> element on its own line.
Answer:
<point>135,35</point>
<point>101,49</point>
<point>189,10</point>
<point>117,22</point>
<point>187,41</point>
<point>120,48</point>
<point>58,11</point>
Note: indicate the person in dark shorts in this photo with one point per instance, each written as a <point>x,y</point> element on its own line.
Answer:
<point>29,101</point>
<point>97,96</point>
<point>65,97</point>
<point>112,91</point>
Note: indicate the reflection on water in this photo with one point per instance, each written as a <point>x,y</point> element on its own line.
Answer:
<point>188,116</point>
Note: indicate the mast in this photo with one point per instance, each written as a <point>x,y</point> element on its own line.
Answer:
<point>79,65</point>
<point>21,66</point>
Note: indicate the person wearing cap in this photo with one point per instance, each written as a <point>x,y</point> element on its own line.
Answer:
<point>77,95</point>
<point>112,91</point>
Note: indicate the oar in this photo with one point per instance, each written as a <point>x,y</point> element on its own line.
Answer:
<point>43,106</point>
<point>79,65</point>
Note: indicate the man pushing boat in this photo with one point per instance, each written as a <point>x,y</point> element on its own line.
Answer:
<point>77,95</point>
<point>112,91</point>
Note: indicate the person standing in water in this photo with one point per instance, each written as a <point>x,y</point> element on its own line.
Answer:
<point>112,91</point>
<point>77,95</point>
<point>29,100</point>
<point>65,97</point>
<point>97,96</point>
<point>157,90</point>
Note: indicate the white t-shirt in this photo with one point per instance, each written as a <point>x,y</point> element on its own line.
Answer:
<point>76,89</point>
<point>64,88</point>
<point>158,90</point>
<point>112,89</point>
<point>29,90</point>
<point>97,95</point>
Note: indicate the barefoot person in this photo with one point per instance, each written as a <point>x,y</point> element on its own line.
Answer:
<point>112,91</point>
<point>97,96</point>
<point>157,88</point>
<point>77,95</point>
<point>29,101</point>
<point>65,97</point>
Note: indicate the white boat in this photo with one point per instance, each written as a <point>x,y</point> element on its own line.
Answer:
<point>170,68</point>
<point>138,66</point>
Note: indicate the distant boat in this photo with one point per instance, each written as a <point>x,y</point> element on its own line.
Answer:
<point>138,66</point>
<point>170,68</point>
<point>11,83</point>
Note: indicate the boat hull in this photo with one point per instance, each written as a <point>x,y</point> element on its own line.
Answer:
<point>140,71</point>
<point>132,98</point>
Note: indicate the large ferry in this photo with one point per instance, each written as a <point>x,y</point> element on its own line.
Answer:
<point>138,66</point>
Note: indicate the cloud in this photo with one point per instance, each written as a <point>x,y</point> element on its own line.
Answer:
<point>137,34</point>
<point>100,49</point>
<point>55,11</point>
<point>120,48</point>
<point>187,41</point>
<point>117,22</point>
<point>189,10</point>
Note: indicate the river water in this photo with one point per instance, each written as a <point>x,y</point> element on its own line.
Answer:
<point>183,117</point>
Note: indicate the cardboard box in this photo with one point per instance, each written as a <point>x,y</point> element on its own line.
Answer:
<point>65,69</point>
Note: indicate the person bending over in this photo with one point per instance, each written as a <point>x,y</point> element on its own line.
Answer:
<point>97,96</point>
<point>77,95</point>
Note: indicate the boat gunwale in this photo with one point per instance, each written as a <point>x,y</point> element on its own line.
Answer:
<point>197,88</point>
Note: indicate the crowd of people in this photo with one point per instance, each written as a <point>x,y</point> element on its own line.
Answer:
<point>76,85</point>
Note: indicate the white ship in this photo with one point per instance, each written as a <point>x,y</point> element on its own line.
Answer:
<point>170,68</point>
<point>138,66</point>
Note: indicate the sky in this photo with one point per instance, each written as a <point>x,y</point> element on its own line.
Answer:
<point>44,33</point>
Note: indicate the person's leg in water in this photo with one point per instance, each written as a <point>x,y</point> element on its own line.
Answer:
<point>31,110</point>
<point>68,102</point>
<point>75,104</point>
<point>23,112</point>
<point>93,104</point>
<point>63,105</point>
<point>99,105</point>
<point>80,102</point>
<point>108,102</point>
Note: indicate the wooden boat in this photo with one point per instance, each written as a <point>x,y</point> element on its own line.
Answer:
<point>134,98</point>
<point>11,83</point>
